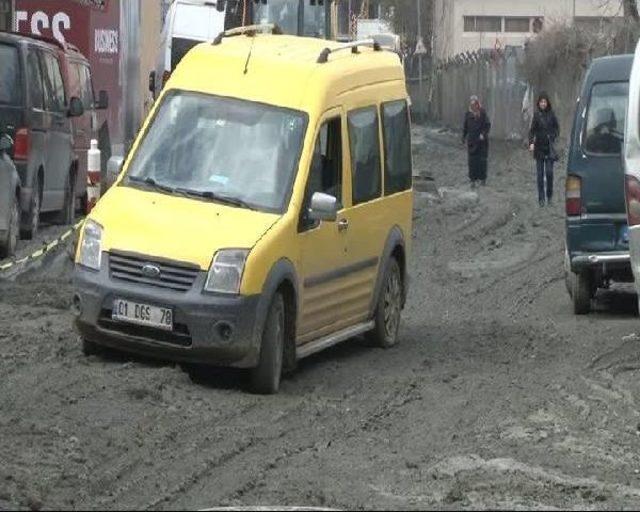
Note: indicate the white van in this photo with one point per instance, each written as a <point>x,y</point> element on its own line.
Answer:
<point>188,23</point>
<point>632,167</point>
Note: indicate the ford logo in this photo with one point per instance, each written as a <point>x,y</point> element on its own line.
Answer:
<point>150,270</point>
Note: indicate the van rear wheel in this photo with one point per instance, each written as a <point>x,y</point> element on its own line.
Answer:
<point>68,213</point>
<point>9,244</point>
<point>265,378</point>
<point>582,293</point>
<point>389,308</point>
<point>31,219</point>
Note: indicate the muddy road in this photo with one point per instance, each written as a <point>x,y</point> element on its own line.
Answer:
<point>497,396</point>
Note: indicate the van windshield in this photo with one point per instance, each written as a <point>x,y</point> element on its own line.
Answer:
<point>607,113</point>
<point>9,73</point>
<point>220,149</point>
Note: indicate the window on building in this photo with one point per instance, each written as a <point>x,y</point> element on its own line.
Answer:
<point>482,24</point>
<point>5,15</point>
<point>397,147</point>
<point>365,155</point>
<point>517,25</point>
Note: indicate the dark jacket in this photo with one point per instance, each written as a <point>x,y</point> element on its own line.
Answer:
<point>544,131</point>
<point>473,127</point>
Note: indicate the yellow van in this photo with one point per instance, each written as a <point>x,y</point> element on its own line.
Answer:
<point>263,214</point>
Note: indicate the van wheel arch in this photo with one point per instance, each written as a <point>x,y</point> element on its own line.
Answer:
<point>281,279</point>
<point>395,248</point>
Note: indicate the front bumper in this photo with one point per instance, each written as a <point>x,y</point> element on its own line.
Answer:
<point>200,321</point>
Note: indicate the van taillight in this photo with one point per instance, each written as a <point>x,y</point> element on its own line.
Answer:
<point>22,144</point>
<point>574,196</point>
<point>632,191</point>
<point>165,77</point>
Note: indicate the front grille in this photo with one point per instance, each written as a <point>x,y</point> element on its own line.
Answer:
<point>180,336</point>
<point>173,276</point>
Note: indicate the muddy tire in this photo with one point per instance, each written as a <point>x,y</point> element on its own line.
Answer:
<point>388,311</point>
<point>89,348</point>
<point>568,275</point>
<point>582,293</point>
<point>31,219</point>
<point>10,242</point>
<point>67,215</point>
<point>265,378</point>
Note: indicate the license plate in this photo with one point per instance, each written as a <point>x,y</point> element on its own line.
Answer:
<point>142,314</point>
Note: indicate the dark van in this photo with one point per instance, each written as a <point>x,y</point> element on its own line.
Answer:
<point>36,111</point>
<point>597,233</point>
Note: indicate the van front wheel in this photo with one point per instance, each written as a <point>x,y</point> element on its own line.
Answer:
<point>265,378</point>
<point>582,293</point>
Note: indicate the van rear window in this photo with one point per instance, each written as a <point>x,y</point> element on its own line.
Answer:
<point>606,116</point>
<point>9,74</point>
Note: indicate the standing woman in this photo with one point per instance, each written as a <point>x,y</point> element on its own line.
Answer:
<point>544,132</point>
<point>475,132</point>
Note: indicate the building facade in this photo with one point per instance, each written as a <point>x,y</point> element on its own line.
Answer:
<point>469,25</point>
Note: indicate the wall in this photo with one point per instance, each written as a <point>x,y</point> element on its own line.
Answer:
<point>450,38</point>
<point>151,25</point>
<point>498,83</point>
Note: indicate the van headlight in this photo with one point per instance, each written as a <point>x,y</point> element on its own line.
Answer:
<point>91,246</point>
<point>225,274</point>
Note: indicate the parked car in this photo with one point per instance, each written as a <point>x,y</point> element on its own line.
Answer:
<point>9,200</point>
<point>632,167</point>
<point>76,72</point>
<point>597,235</point>
<point>188,23</point>
<point>254,222</point>
<point>36,110</point>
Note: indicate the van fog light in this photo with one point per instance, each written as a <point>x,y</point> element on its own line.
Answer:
<point>225,331</point>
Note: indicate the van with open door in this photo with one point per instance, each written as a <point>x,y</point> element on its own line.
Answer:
<point>597,236</point>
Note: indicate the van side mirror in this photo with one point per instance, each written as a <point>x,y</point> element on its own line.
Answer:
<point>323,207</point>
<point>103,101</point>
<point>76,108</point>
<point>6,143</point>
<point>152,82</point>
<point>114,166</point>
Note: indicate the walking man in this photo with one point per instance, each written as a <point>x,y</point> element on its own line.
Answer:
<point>475,132</point>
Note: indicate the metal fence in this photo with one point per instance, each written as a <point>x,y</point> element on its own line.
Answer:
<point>491,75</point>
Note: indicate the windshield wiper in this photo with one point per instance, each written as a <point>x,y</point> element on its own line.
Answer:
<point>212,196</point>
<point>151,183</point>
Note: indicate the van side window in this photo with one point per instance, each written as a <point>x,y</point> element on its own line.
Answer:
<point>325,174</point>
<point>604,131</point>
<point>86,87</point>
<point>397,147</point>
<point>36,89</point>
<point>56,98</point>
<point>365,155</point>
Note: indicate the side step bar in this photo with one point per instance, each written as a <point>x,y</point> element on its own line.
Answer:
<point>314,347</point>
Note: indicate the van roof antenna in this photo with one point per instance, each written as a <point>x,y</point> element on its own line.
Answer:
<point>246,64</point>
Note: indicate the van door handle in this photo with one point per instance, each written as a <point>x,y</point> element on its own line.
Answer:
<point>343,225</point>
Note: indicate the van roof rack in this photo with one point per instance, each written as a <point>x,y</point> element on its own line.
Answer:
<point>249,30</point>
<point>323,58</point>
